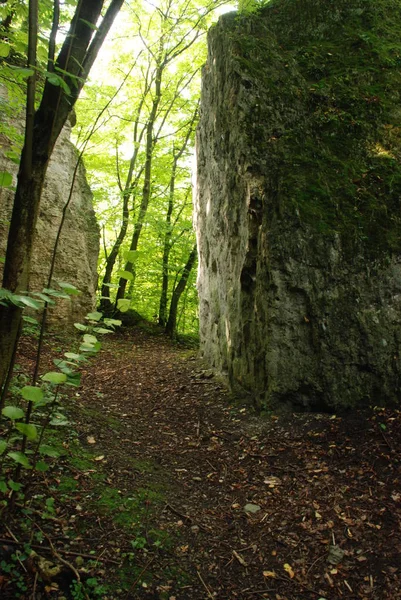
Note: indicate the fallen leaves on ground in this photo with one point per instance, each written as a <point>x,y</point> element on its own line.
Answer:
<point>289,507</point>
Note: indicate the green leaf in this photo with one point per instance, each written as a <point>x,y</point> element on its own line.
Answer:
<point>55,378</point>
<point>101,330</point>
<point>4,50</point>
<point>30,320</point>
<point>13,485</point>
<point>41,466</point>
<point>20,458</point>
<point>30,302</point>
<point>74,379</point>
<point>125,275</point>
<point>59,420</point>
<point>23,72</point>
<point>55,293</point>
<point>63,365</point>
<point>3,446</point>
<point>44,297</point>
<point>74,356</point>
<point>49,451</point>
<point>13,412</point>
<point>112,322</point>
<point>58,81</point>
<point>6,179</point>
<point>80,326</point>
<point>90,339</point>
<point>131,255</point>
<point>29,431</point>
<point>123,305</point>
<point>87,348</point>
<point>3,487</point>
<point>31,393</point>
<point>94,316</point>
<point>69,288</point>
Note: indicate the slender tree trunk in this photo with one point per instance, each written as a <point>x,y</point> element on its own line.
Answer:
<point>130,186</point>
<point>165,264</point>
<point>10,316</point>
<point>180,287</point>
<point>147,187</point>
<point>169,229</point>
<point>76,58</point>
<point>105,303</point>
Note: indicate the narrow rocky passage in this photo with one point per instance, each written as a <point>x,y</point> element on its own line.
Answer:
<point>235,505</point>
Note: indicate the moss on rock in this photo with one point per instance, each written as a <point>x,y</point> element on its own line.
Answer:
<point>299,202</point>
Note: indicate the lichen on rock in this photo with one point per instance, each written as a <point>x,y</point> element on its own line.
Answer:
<point>298,203</point>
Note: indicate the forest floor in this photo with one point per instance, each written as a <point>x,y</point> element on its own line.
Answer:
<point>169,489</point>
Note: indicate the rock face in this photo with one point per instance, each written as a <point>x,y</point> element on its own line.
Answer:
<point>78,250</point>
<point>298,203</point>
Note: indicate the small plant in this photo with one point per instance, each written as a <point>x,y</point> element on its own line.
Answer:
<point>37,407</point>
<point>14,569</point>
<point>91,588</point>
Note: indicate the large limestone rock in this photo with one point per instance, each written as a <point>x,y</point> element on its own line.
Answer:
<point>298,203</point>
<point>78,250</point>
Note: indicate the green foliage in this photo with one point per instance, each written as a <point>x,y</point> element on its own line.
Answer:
<point>117,155</point>
<point>250,6</point>
<point>23,444</point>
<point>91,588</point>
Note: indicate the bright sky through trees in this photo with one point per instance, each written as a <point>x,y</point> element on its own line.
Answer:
<point>147,83</point>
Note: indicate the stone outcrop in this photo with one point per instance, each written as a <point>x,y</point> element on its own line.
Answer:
<point>298,203</point>
<point>78,249</point>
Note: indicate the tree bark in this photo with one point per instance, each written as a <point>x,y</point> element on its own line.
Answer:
<point>180,287</point>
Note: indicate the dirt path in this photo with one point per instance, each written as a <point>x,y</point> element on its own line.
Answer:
<point>182,495</point>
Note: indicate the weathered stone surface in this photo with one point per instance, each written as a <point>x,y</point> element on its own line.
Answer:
<point>78,250</point>
<point>298,204</point>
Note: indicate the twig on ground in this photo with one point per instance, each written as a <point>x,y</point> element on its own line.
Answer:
<point>314,562</point>
<point>240,559</point>
<point>209,593</point>
<point>178,513</point>
<point>66,552</point>
<point>61,559</point>
<point>12,535</point>
<point>34,586</point>
<point>145,568</point>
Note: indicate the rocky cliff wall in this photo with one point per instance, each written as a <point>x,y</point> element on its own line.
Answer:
<point>298,203</point>
<point>76,261</point>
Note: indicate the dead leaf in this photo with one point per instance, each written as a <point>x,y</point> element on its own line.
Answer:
<point>272,481</point>
<point>98,458</point>
<point>289,570</point>
<point>269,574</point>
<point>90,439</point>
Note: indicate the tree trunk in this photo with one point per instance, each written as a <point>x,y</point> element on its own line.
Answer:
<point>169,228</point>
<point>147,188</point>
<point>129,190</point>
<point>105,303</point>
<point>76,57</point>
<point>180,287</point>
